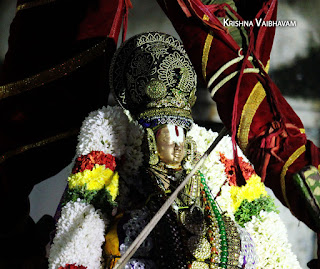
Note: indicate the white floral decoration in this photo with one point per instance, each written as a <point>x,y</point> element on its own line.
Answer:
<point>79,237</point>
<point>133,156</point>
<point>104,130</point>
<point>213,169</point>
<point>113,131</point>
<point>272,244</point>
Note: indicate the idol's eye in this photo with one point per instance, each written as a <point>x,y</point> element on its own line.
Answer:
<point>166,139</point>
<point>168,142</point>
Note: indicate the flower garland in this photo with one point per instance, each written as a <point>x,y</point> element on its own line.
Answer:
<point>112,130</point>
<point>246,168</point>
<point>107,137</point>
<point>103,130</point>
<point>254,189</point>
<point>79,237</point>
<point>87,162</point>
<point>250,199</point>
<point>96,179</point>
<point>272,245</point>
<point>249,205</point>
<point>133,157</point>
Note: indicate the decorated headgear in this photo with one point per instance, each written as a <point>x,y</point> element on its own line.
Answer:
<point>152,76</point>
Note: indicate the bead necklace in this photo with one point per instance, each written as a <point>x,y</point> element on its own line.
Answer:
<point>227,254</point>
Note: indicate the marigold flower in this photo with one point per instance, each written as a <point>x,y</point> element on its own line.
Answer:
<point>96,179</point>
<point>254,189</point>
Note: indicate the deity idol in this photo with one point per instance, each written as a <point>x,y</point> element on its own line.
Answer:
<point>131,159</point>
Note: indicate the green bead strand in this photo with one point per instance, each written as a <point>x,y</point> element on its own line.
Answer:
<point>222,229</point>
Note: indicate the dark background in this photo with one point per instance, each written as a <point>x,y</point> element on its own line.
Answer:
<point>294,65</point>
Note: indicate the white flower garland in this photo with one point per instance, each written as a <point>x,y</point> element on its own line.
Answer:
<point>113,131</point>
<point>103,130</point>
<point>79,237</point>
<point>272,246</point>
<point>80,229</point>
<point>213,169</point>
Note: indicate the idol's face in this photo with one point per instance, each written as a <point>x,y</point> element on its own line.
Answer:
<point>170,141</point>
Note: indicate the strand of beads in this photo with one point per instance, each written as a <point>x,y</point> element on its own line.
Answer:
<point>221,224</point>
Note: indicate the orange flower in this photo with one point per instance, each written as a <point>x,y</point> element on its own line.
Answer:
<point>87,162</point>
<point>246,168</point>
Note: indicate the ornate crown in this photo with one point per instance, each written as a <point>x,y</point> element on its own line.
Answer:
<point>152,76</point>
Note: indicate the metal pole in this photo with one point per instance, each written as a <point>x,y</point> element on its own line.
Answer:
<point>149,227</point>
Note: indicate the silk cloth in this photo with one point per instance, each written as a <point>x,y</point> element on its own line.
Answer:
<point>250,104</point>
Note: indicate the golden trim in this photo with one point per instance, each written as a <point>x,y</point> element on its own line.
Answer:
<point>205,54</point>
<point>205,17</point>
<point>285,168</point>
<point>266,69</point>
<point>33,4</point>
<point>206,50</point>
<point>249,110</point>
<point>303,131</point>
<point>41,143</point>
<point>53,73</point>
<point>168,111</point>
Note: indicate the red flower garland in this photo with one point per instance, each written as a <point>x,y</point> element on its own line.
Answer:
<point>72,266</point>
<point>87,162</point>
<point>246,168</point>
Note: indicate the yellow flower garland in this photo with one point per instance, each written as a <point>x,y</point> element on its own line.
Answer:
<point>96,179</point>
<point>251,191</point>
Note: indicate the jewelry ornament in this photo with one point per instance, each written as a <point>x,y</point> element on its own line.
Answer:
<point>153,153</point>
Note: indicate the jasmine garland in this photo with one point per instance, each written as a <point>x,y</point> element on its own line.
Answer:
<point>79,237</point>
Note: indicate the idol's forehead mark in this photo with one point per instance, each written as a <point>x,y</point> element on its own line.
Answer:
<point>176,133</point>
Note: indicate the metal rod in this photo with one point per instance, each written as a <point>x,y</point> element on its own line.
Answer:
<point>150,226</point>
